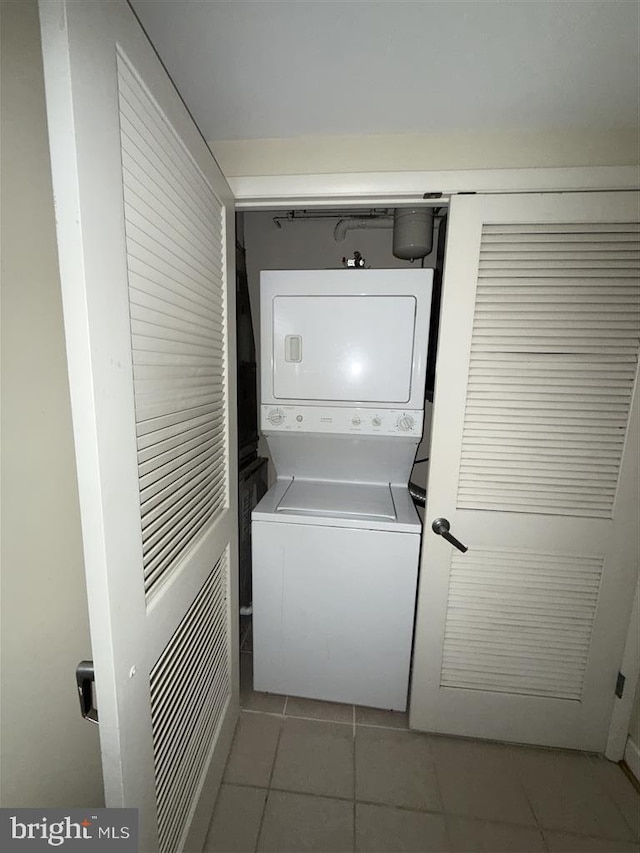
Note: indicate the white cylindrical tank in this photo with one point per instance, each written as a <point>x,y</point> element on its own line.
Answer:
<point>412,232</point>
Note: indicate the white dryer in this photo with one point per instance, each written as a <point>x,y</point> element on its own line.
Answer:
<point>336,540</point>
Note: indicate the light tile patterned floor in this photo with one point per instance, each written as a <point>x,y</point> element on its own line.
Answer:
<point>313,776</point>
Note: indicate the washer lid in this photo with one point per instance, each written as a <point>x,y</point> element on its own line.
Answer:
<point>351,500</point>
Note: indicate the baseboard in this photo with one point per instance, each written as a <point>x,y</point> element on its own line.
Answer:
<point>632,757</point>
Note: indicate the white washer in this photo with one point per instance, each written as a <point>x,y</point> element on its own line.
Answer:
<point>335,573</point>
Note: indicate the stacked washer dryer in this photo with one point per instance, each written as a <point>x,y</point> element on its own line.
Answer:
<point>336,539</point>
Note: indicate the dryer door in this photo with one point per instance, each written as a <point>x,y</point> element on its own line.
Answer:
<point>356,349</point>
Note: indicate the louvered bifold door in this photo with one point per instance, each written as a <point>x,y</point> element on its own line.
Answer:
<point>145,228</point>
<point>175,257</point>
<point>533,456</point>
<point>554,351</point>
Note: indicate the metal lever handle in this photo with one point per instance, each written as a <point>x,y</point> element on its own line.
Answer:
<point>85,678</point>
<point>441,526</point>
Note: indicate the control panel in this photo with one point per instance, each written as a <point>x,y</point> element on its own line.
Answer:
<point>323,419</point>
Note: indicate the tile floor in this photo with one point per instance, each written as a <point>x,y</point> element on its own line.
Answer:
<point>315,776</point>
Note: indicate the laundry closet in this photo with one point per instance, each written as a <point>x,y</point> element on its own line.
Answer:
<point>532,444</point>
<point>363,285</point>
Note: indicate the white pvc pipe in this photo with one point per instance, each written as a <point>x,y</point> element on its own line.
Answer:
<point>344,225</point>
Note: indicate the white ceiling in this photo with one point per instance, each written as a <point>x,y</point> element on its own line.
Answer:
<point>251,69</point>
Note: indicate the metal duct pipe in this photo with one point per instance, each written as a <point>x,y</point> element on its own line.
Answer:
<point>344,225</point>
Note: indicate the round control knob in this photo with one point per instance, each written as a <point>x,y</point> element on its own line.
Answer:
<point>355,420</point>
<point>406,423</point>
<point>299,418</point>
<point>376,422</point>
<point>275,417</point>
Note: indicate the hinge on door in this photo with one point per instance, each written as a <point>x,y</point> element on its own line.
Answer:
<point>620,685</point>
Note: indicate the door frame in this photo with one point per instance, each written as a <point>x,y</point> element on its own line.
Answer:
<point>378,189</point>
<point>630,669</point>
<point>375,189</point>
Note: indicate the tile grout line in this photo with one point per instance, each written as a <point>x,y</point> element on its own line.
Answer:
<point>282,714</point>
<point>353,835</point>
<point>322,719</point>
<point>575,834</point>
<point>333,797</point>
<point>416,810</point>
<point>439,788</point>
<point>518,774</point>
<point>268,788</point>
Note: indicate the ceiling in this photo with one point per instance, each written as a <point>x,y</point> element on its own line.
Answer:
<point>251,69</point>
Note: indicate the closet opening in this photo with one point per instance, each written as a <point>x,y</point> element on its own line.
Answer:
<point>335,238</point>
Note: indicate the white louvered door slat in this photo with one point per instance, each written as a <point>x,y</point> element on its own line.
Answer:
<point>145,227</point>
<point>484,645</point>
<point>534,463</point>
<point>569,340</point>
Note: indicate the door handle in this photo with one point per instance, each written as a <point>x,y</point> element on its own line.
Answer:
<point>293,348</point>
<point>441,526</point>
<point>85,678</point>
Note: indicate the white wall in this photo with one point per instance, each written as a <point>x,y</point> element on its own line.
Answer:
<point>50,755</point>
<point>310,244</point>
<point>422,152</point>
